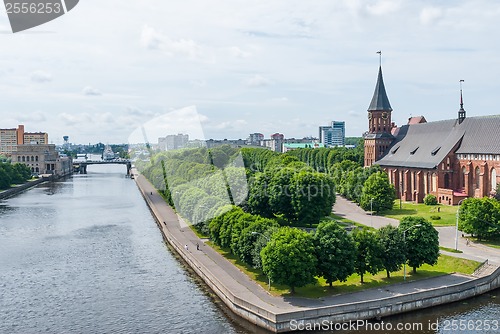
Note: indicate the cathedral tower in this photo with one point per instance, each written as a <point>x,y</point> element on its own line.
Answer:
<point>379,137</point>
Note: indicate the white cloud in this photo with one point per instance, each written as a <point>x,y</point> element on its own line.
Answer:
<point>238,124</point>
<point>37,116</point>
<point>154,40</point>
<point>236,52</point>
<point>429,15</point>
<point>383,7</point>
<point>257,81</point>
<point>90,91</point>
<point>75,119</point>
<point>41,76</point>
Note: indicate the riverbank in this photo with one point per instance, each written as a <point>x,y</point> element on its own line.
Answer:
<point>17,189</point>
<point>279,314</point>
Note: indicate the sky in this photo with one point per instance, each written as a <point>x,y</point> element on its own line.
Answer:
<point>106,68</point>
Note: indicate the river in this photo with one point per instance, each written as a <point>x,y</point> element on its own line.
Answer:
<point>83,255</point>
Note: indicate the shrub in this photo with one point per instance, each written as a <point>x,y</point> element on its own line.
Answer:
<point>435,217</point>
<point>430,200</point>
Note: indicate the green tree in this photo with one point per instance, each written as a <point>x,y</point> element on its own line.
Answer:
<point>258,198</point>
<point>335,251</point>
<point>289,258</point>
<point>249,235</point>
<point>378,192</point>
<point>5,180</point>
<point>280,193</point>
<point>368,253</point>
<point>421,242</point>
<point>480,217</point>
<point>393,248</point>
<point>313,195</point>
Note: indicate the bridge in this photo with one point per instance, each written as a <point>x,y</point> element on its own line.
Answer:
<point>81,166</point>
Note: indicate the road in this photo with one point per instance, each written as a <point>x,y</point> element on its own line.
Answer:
<point>473,251</point>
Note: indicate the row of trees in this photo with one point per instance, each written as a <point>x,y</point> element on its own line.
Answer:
<point>289,189</point>
<point>13,174</point>
<point>480,217</point>
<point>294,257</point>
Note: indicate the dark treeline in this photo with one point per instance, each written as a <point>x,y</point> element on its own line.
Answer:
<point>13,174</point>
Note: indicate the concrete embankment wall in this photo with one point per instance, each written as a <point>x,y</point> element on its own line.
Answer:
<point>394,305</point>
<point>18,189</point>
<point>280,321</point>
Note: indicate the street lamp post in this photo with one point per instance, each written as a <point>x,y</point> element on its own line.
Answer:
<point>456,225</point>
<point>404,241</point>
<point>268,239</point>
<point>371,211</point>
<point>400,195</point>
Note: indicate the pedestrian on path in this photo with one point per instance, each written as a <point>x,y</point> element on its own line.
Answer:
<point>197,246</point>
<point>186,247</point>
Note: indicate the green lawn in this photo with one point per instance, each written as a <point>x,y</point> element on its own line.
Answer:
<point>495,243</point>
<point>446,213</point>
<point>446,265</point>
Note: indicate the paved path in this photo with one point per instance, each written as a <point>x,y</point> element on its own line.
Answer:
<point>229,277</point>
<point>473,251</point>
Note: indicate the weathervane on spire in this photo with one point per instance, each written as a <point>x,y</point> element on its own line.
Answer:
<point>461,112</point>
<point>380,57</point>
<point>461,98</point>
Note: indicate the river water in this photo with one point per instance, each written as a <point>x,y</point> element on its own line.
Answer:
<point>83,255</point>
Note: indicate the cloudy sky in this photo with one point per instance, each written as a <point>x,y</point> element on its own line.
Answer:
<point>107,67</point>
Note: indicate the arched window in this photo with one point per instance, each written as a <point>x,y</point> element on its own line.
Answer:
<point>434,182</point>
<point>37,169</point>
<point>18,158</point>
<point>493,179</point>
<point>448,163</point>
<point>464,170</point>
<point>24,159</point>
<point>32,158</point>
<point>447,181</point>
<point>36,158</point>
<point>477,175</point>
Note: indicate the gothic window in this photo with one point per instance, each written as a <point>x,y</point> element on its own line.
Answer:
<point>464,170</point>
<point>447,181</point>
<point>477,175</point>
<point>24,159</point>
<point>493,179</point>
<point>36,158</point>
<point>18,158</point>
<point>434,182</point>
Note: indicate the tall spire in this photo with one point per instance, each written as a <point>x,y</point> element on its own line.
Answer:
<point>461,112</point>
<point>380,101</point>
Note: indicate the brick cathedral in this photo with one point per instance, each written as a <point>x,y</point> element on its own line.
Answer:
<point>451,159</point>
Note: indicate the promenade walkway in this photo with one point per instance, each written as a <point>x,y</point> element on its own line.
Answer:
<point>229,278</point>
<point>473,251</point>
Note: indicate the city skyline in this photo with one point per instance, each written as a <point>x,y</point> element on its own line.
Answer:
<point>281,67</point>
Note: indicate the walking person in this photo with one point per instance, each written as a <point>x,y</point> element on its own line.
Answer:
<point>197,246</point>
<point>186,247</point>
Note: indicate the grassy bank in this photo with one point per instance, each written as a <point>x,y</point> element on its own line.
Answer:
<point>446,213</point>
<point>446,265</point>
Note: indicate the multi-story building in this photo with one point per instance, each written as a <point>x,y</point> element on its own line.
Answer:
<point>11,138</point>
<point>333,134</point>
<point>43,159</point>
<point>451,159</point>
<point>40,138</point>
<point>231,142</point>
<point>173,142</point>
<point>255,139</point>
<point>276,142</point>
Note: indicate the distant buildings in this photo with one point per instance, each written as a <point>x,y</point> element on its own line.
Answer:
<point>10,139</point>
<point>173,142</point>
<point>43,159</point>
<point>255,139</point>
<point>231,142</point>
<point>332,135</point>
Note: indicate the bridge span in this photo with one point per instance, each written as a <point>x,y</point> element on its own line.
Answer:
<point>81,166</point>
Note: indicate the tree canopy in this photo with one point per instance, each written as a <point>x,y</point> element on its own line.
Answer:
<point>289,258</point>
<point>421,241</point>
